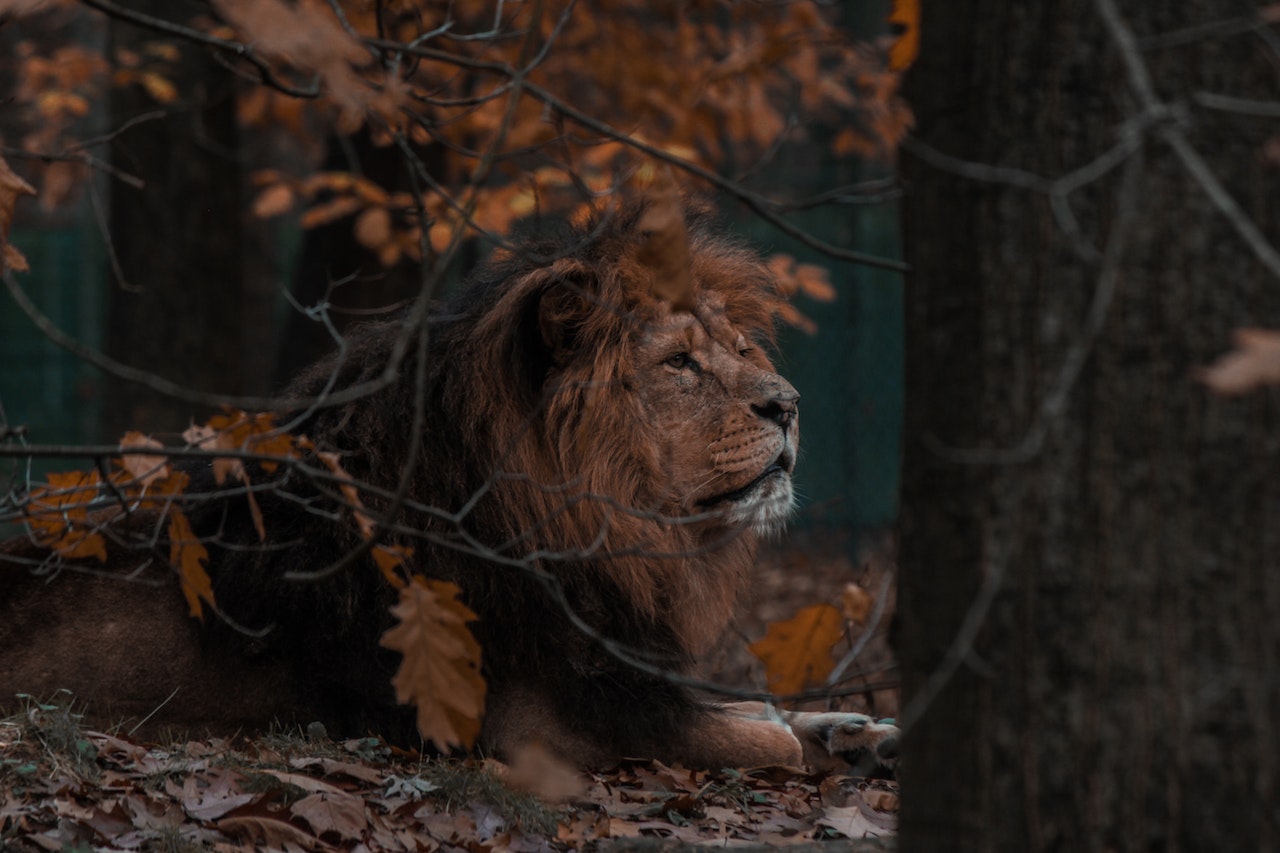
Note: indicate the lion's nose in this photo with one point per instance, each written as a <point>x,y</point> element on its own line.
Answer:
<point>781,402</point>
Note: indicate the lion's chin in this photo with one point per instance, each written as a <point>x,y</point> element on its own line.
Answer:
<point>766,508</point>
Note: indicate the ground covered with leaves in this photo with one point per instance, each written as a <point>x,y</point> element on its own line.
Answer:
<point>64,788</point>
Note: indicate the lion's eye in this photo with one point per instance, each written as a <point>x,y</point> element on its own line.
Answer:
<point>745,351</point>
<point>679,361</point>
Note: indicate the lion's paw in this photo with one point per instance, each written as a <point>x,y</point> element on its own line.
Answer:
<point>841,742</point>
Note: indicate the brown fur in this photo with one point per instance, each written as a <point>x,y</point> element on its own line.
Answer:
<point>569,465</point>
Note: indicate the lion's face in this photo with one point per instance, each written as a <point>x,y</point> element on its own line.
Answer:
<point>726,423</point>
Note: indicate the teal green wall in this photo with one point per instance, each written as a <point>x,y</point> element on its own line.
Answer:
<point>849,374</point>
<point>43,387</point>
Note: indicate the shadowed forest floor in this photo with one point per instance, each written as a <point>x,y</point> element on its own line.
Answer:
<point>64,788</point>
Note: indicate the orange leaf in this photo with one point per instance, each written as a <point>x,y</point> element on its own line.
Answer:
<point>373,228</point>
<point>389,558</point>
<point>143,469</point>
<point>330,211</point>
<point>797,652</point>
<point>665,250</point>
<point>905,49</point>
<point>273,201</point>
<point>59,515</point>
<point>11,188</point>
<point>440,672</point>
<point>347,486</point>
<point>856,602</point>
<point>159,87</point>
<point>814,283</point>
<point>188,557</point>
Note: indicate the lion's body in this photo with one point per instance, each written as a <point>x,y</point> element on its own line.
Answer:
<point>571,424</point>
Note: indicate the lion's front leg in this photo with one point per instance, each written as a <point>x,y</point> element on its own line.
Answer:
<point>720,737</point>
<point>833,742</point>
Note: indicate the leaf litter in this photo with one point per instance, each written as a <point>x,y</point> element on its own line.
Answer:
<point>294,793</point>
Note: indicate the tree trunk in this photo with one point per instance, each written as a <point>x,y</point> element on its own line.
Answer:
<point>1089,608</point>
<point>181,309</point>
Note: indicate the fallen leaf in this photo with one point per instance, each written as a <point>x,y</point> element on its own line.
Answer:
<point>851,823</point>
<point>337,813</point>
<point>333,767</point>
<point>797,651</point>
<point>273,831</point>
<point>215,800</point>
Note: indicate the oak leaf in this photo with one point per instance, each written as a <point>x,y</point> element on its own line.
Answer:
<point>142,469</point>
<point>347,486</point>
<point>12,187</point>
<point>665,250</point>
<point>188,557</point>
<point>335,813</point>
<point>797,652</point>
<point>440,672</point>
<point>59,515</point>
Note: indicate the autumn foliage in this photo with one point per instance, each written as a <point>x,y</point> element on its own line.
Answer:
<point>499,112</point>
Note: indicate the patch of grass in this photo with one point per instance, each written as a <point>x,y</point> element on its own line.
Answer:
<point>58,727</point>
<point>173,841</point>
<point>457,783</point>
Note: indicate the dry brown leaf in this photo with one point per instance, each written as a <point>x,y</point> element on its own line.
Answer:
<point>1254,363</point>
<point>373,228</point>
<point>12,187</point>
<point>273,831</point>
<point>338,813</point>
<point>59,515</point>
<point>797,652</point>
<point>159,87</point>
<point>851,822</point>
<point>330,211</point>
<point>347,486</point>
<point>814,282</point>
<point>389,558</point>
<point>273,201</point>
<point>856,602</point>
<point>188,556</point>
<point>665,250</point>
<point>906,47</point>
<point>18,8</point>
<point>143,469</point>
<point>440,672</point>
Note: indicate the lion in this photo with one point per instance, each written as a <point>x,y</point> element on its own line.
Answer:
<point>594,467</point>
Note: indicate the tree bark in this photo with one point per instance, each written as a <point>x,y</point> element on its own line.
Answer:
<point>1089,607</point>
